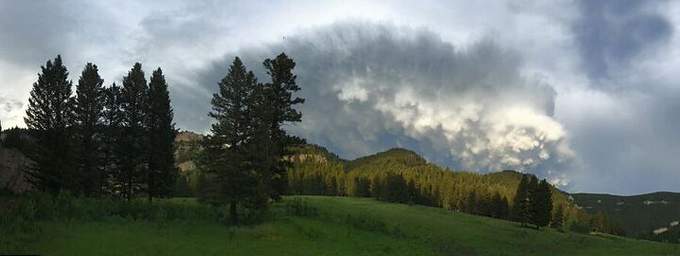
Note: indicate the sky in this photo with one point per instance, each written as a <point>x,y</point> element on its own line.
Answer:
<point>583,93</point>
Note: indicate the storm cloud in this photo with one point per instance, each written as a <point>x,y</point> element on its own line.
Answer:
<point>613,33</point>
<point>372,86</point>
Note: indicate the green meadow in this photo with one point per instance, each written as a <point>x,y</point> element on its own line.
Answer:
<point>300,225</point>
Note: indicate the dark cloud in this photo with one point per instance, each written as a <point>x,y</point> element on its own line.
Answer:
<point>36,30</point>
<point>630,145</point>
<point>612,33</point>
<point>370,87</point>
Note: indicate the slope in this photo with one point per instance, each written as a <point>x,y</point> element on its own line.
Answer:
<point>332,226</point>
<point>639,214</point>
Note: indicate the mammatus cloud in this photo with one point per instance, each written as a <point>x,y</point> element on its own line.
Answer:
<point>371,86</point>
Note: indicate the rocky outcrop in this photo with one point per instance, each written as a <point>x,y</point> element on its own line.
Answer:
<point>12,166</point>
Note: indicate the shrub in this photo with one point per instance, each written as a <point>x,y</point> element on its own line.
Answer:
<point>300,207</point>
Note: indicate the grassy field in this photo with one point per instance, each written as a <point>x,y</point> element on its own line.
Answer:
<point>327,226</point>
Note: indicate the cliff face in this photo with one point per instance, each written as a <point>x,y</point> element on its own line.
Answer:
<point>186,145</point>
<point>12,165</point>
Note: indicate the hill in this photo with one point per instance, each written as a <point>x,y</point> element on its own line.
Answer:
<point>316,225</point>
<point>400,175</point>
<point>398,156</point>
<point>638,215</point>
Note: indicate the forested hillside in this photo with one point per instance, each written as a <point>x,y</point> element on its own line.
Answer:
<point>638,215</point>
<point>400,175</point>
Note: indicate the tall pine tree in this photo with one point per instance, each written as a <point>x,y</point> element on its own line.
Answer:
<point>162,172</point>
<point>49,118</point>
<point>113,149</point>
<point>280,110</point>
<point>225,153</point>
<point>557,221</point>
<point>520,204</point>
<point>541,204</point>
<point>533,198</point>
<point>89,106</point>
<point>134,98</point>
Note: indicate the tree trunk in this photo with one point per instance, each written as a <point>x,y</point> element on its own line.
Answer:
<point>233,214</point>
<point>150,186</point>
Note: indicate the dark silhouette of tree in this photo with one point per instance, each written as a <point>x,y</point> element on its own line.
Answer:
<point>134,98</point>
<point>277,110</point>
<point>471,203</point>
<point>162,173</point>
<point>533,197</point>
<point>499,206</point>
<point>49,118</point>
<point>520,205</point>
<point>541,204</point>
<point>558,218</point>
<point>225,151</point>
<point>88,118</point>
<point>112,142</point>
<point>396,189</point>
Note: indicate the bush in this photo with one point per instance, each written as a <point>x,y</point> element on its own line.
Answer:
<point>580,227</point>
<point>66,207</point>
<point>300,207</point>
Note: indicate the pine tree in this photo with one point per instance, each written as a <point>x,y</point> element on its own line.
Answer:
<point>541,203</point>
<point>89,105</point>
<point>505,208</point>
<point>162,172</point>
<point>49,118</point>
<point>534,206</point>
<point>225,152</point>
<point>546,216</point>
<point>134,96</point>
<point>278,95</point>
<point>558,219</point>
<point>471,201</point>
<point>519,210</point>
<point>499,206</point>
<point>112,149</point>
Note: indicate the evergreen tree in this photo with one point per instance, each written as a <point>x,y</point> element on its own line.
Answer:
<point>112,149</point>
<point>533,197</point>
<point>504,208</point>
<point>499,206</point>
<point>88,114</point>
<point>134,98</point>
<point>520,208</point>
<point>49,118</point>
<point>547,204</point>
<point>471,203</point>
<point>278,95</point>
<point>162,172</point>
<point>541,203</point>
<point>225,152</point>
<point>558,219</point>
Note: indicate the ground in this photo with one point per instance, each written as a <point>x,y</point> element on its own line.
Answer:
<point>330,226</point>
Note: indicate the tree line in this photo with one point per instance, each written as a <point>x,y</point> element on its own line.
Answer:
<point>100,141</point>
<point>243,156</point>
<point>119,140</point>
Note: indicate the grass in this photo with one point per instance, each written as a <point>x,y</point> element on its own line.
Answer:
<point>315,225</point>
